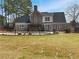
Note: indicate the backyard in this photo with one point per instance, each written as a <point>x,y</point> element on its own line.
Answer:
<point>59,46</point>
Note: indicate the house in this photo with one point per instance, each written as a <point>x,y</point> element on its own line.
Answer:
<point>77,28</point>
<point>41,21</point>
<point>21,23</point>
<point>54,20</point>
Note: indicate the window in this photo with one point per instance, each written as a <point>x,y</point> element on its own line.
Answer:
<point>47,18</point>
<point>21,26</point>
<point>47,27</point>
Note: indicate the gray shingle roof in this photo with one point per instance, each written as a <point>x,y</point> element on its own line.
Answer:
<point>46,14</point>
<point>23,19</point>
<point>57,16</point>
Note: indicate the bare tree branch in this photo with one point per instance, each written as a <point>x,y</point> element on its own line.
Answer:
<point>73,11</point>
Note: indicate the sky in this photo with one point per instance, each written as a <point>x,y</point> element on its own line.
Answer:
<point>53,5</point>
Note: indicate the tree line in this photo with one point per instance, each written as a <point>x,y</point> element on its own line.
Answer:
<point>15,8</point>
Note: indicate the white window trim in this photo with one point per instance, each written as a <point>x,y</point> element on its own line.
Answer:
<point>51,19</point>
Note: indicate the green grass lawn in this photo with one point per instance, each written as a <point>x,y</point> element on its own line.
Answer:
<point>59,46</point>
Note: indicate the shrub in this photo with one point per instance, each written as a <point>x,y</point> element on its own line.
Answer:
<point>19,34</point>
<point>54,31</point>
<point>29,33</point>
<point>67,31</point>
<point>3,34</point>
<point>24,34</point>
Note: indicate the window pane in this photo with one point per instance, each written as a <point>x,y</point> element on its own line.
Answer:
<point>47,18</point>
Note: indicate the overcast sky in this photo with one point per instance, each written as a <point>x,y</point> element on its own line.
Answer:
<point>53,5</point>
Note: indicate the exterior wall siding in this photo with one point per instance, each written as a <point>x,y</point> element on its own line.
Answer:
<point>21,26</point>
<point>56,26</point>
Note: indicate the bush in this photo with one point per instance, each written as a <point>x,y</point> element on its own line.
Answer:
<point>29,33</point>
<point>67,31</point>
<point>19,34</point>
<point>24,34</point>
<point>54,31</point>
<point>3,34</point>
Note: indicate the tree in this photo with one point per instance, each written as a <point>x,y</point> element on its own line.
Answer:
<point>2,20</point>
<point>73,12</point>
<point>2,17</point>
<point>19,7</point>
